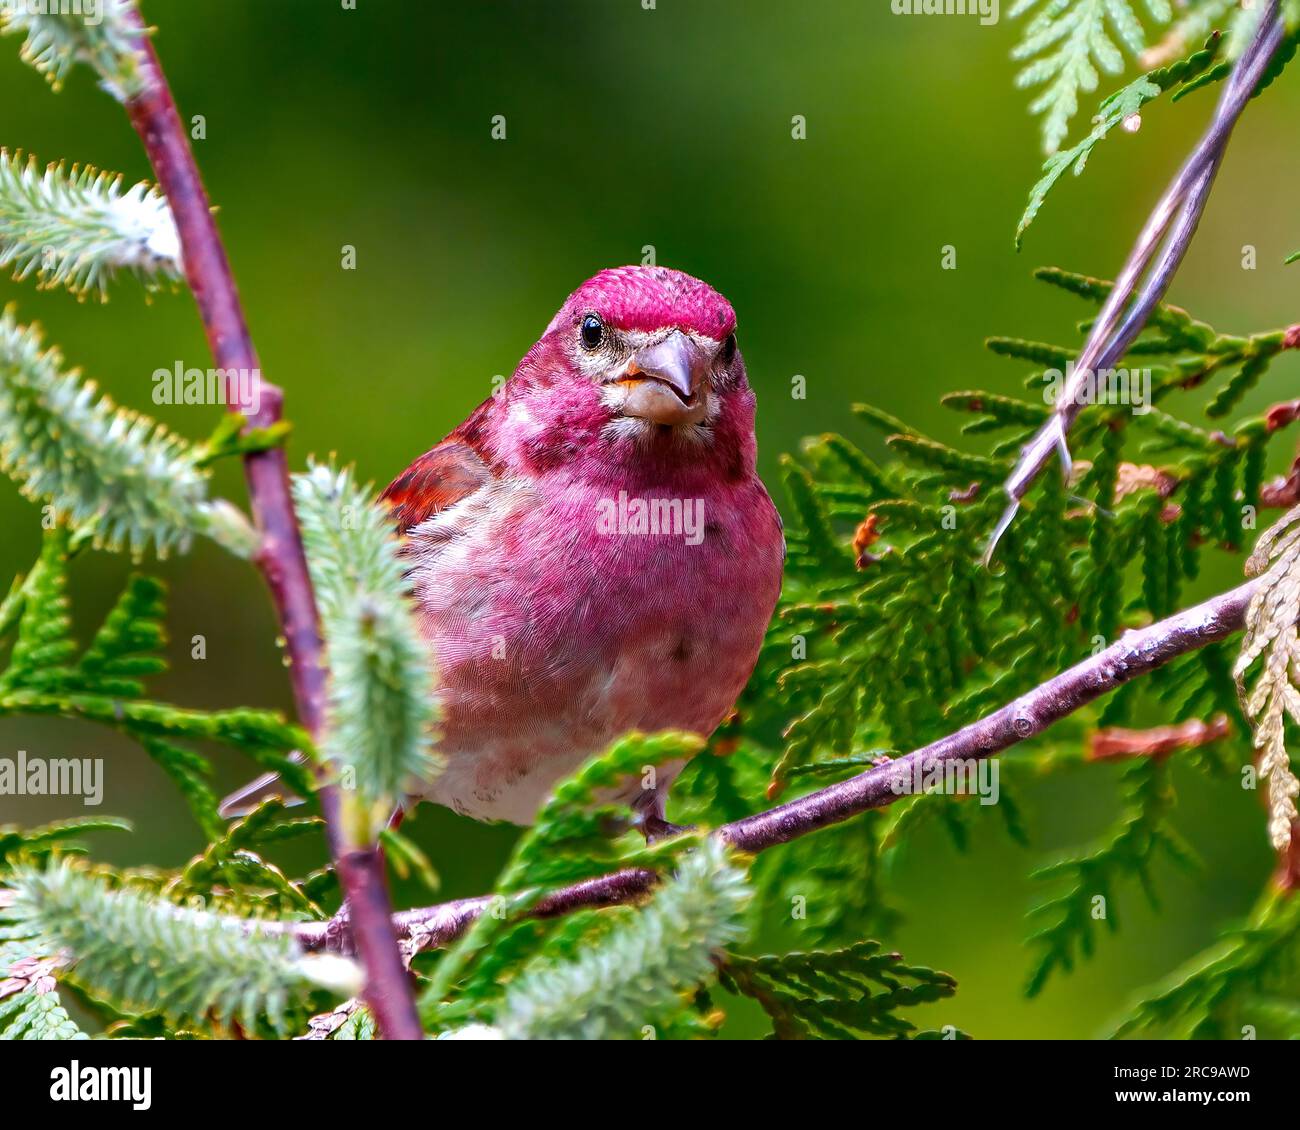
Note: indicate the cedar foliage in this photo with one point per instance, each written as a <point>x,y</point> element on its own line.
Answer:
<point>889,635</point>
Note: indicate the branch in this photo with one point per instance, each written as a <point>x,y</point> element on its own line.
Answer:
<point>1171,224</point>
<point>1136,653</point>
<point>280,557</point>
<point>1159,742</point>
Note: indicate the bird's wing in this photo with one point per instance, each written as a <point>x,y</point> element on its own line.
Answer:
<point>441,477</point>
<point>436,481</point>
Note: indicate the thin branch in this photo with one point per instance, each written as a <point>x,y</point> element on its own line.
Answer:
<point>1287,877</point>
<point>1170,227</point>
<point>1117,743</point>
<point>280,558</point>
<point>1136,653</point>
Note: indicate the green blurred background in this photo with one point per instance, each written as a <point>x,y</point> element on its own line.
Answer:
<point>626,128</point>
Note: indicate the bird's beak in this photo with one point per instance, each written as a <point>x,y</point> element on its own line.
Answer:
<point>667,382</point>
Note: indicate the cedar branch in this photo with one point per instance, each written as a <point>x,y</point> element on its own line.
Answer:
<point>1160,247</point>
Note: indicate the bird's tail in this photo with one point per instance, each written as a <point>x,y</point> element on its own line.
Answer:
<point>242,801</point>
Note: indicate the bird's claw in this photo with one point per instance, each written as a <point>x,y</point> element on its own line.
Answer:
<point>656,828</point>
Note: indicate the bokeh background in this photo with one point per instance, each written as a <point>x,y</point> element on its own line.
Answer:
<point>625,128</point>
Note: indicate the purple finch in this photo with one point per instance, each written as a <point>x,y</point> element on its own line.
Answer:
<point>592,550</point>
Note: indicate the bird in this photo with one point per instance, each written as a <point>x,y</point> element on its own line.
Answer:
<point>592,551</point>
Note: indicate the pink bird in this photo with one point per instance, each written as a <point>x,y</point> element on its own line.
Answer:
<point>592,550</point>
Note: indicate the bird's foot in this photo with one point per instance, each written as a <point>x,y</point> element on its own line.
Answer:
<point>656,828</point>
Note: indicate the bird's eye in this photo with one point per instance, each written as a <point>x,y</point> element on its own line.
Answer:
<point>593,331</point>
<point>729,349</point>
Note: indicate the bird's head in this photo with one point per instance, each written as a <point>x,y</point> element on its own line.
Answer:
<point>639,366</point>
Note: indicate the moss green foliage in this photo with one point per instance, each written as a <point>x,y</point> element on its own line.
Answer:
<point>30,963</point>
<point>640,973</point>
<point>1211,63</point>
<point>236,864</point>
<point>32,844</point>
<point>900,638</point>
<point>1089,881</point>
<point>1245,985</point>
<point>1115,110</point>
<point>575,837</point>
<point>37,1015</point>
<point>48,672</point>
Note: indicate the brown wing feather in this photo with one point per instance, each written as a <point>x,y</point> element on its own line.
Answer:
<point>440,477</point>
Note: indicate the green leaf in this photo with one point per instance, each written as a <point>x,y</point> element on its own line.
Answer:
<point>1225,992</point>
<point>1116,109</point>
<point>1078,36</point>
<point>1090,878</point>
<point>105,684</point>
<point>841,994</point>
<point>61,836</point>
<point>37,1015</point>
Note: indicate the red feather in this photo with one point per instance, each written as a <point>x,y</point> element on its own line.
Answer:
<point>441,477</point>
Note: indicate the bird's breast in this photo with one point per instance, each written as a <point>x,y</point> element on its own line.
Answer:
<point>561,621</point>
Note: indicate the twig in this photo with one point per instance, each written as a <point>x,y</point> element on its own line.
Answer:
<point>1135,654</point>
<point>1116,743</point>
<point>280,557</point>
<point>1171,225</point>
<point>1287,877</point>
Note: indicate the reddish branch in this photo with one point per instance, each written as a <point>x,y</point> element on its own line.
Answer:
<point>1287,877</point>
<point>280,557</point>
<point>1159,742</point>
<point>1284,492</point>
<point>1136,653</point>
